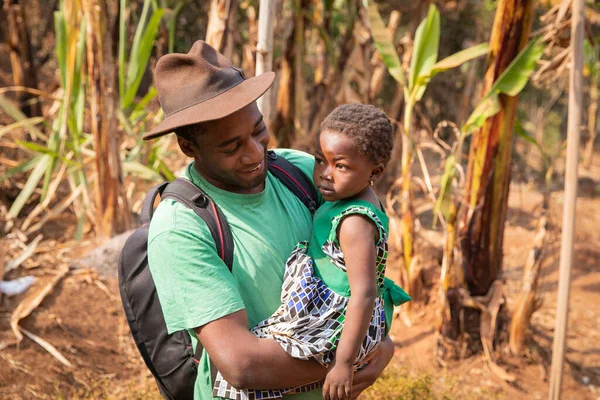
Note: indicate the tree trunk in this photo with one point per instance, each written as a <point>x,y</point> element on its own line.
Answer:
<point>592,119</point>
<point>21,60</point>
<point>112,211</point>
<point>282,125</point>
<point>219,16</point>
<point>264,51</point>
<point>488,174</point>
<point>299,84</point>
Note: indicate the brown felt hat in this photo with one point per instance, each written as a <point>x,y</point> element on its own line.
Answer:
<point>200,86</point>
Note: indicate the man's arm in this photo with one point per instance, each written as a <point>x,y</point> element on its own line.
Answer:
<point>246,361</point>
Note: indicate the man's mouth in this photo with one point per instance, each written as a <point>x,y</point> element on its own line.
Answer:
<point>258,167</point>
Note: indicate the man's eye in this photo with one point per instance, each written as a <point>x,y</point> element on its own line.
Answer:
<point>233,149</point>
<point>261,129</point>
<point>319,161</point>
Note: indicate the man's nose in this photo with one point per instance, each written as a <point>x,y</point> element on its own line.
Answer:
<point>255,152</point>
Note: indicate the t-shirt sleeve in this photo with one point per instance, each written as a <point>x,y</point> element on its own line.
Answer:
<point>193,284</point>
<point>305,162</point>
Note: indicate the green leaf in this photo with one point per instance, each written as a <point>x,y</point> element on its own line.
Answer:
<point>122,44</point>
<point>23,167</point>
<point>165,171</point>
<point>60,45</point>
<point>489,107</point>
<point>510,82</point>
<point>447,63</point>
<point>36,148</point>
<point>425,50</point>
<point>13,111</point>
<point>384,44</point>
<point>77,75</point>
<point>515,76</point>
<point>31,184</point>
<point>457,59</point>
<point>139,30</point>
<point>138,65</point>
<point>443,200</point>
<point>142,171</point>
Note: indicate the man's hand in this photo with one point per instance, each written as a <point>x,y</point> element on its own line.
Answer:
<point>369,374</point>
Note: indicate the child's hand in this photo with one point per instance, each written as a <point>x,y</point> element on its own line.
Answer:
<point>338,382</point>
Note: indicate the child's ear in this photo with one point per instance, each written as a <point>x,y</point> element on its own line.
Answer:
<point>377,171</point>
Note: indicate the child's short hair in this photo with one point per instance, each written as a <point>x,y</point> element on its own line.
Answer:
<point>368,127</point>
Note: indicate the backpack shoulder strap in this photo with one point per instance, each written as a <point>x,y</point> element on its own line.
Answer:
<point>193,197</point>
<point>294,179</point>
<point>148,204</point>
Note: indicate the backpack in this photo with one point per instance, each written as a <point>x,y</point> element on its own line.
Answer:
<point>170,358</point>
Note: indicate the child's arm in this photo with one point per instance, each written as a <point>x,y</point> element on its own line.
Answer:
<point>357,235</point>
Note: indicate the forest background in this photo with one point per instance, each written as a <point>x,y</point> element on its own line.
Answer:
<point>474,190</point>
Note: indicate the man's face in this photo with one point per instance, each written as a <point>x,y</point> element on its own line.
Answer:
<point>231,153</point>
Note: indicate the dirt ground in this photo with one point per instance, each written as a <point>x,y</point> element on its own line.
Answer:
<point>82,317</point>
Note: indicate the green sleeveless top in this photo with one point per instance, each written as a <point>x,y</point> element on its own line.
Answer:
<point>329,264</point>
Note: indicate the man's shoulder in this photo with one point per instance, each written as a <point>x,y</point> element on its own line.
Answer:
<point>172,216</point>
<point>302,160</point>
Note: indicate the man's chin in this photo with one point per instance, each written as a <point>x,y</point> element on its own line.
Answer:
<point>255,183</point>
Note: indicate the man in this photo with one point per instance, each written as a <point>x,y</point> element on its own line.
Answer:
<point>211,107</point>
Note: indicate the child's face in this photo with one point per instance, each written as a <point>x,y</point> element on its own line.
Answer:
<point>341,172</point>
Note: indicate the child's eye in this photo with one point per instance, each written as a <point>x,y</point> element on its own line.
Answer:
<point>340,166</point>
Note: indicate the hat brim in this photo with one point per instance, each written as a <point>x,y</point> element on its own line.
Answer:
<point>218,107</point>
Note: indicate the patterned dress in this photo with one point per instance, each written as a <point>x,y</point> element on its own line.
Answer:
<point>315,294</point>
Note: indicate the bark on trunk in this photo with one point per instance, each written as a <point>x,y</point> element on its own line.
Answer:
<point>112,211</point>
<point>264,51</point>
<point>21,60</point>
<point>219,16</point>
<point>488,173</point>
<point>592,120</point>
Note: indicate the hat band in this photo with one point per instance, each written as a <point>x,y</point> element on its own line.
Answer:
<point>206,89</point>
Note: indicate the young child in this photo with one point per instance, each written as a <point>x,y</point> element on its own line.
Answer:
<point>336,302</point>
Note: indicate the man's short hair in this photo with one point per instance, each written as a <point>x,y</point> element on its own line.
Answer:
<point>190,132</point>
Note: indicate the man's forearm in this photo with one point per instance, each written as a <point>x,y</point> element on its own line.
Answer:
<point>270,367</point>
<point>246,361</point>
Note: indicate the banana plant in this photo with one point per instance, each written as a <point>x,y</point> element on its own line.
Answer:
<point>423,67</point>
<point>510,83</point>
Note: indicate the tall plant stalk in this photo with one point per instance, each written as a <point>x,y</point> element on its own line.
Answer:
<point>112,211</point>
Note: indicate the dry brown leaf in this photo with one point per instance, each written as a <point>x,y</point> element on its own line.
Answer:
<point>47,346</point>
<point>30,302</point>
<point>29,250</point>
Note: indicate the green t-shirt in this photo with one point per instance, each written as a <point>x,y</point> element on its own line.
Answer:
<point>195,287</point>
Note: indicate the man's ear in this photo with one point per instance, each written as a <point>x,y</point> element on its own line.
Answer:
<point>186,146</point>
<point>377,171</point>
